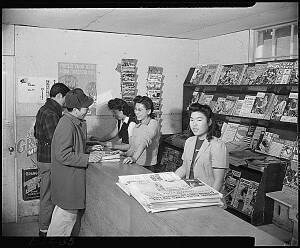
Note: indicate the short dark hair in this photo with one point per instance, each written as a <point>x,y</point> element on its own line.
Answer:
<point>59,88</point>
<point>206,110</point>
<point>147,102</point>
<point>121,105</point>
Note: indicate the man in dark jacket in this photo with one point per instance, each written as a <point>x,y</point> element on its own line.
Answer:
<point>46,121</point>
<point>69,163</point>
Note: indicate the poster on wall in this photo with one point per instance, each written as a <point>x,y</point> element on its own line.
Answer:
<point>34,89</point>
<point>30,184</point>
<point>80,75</point>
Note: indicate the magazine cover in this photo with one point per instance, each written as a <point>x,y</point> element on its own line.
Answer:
<point>284,72</point>
<point>270,74</point>
<point>294,79</point>
<point>249,75</point>
<point>247,106</point>
<point>265,142</point>
<point>155,70</point>
<point>154,93</point>
<point>229,131</point>
<point>240,194</point>
<point>205,99</point>
<point>290,113</point>
<point>219,105</point>
<point>238,106</point>
<point>212,74</point>
<point>198,74</point>
<point>250,198</point>
<point>229,105</point>
<point>278,107</point>
<point>257,137</point>
<point>262,105</point>
<point>276,146</point>
<point>224,78</point>
<point>288,149</point>
<point>259,71</point>
<point>291,178</point>
<point>231,181</point>
<point>232,75</point>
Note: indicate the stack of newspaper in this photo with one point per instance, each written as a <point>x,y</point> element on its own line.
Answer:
<point>164,191</point>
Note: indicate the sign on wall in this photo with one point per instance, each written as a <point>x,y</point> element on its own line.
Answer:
<point>80,75</point>
<point>30,184</point>
<point>34,89</point>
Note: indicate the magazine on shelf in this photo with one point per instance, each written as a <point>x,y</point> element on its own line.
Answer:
<point>231,181</point>
<point>270,74</point>
<point>250,198</point>
<point>166,191</point>
<point>154,93</point>
<point>259,71</point>
<point>198,74</point>
<point>240,194</point>
<point>155,77</point>
<point>228,131</point>
<point>229,105</point>
<point>291,178</point>
<point>205,99</point>
<point>284,72</point>
<point>232,74</point>
<point>219,103</point>
<point>290,112</point>
<point>212,74</point>
<point>287,150</point>
<point>238,106</point>
<point>155,85</point>
<point>262,105</point>
<point>155,70</point>
<point>247,106</point>
<point>294,79</point>
<point>249,75</point>
<point>257,136</point>
<point>278,107</point>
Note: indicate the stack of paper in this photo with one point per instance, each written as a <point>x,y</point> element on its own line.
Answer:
<point>164,191</point>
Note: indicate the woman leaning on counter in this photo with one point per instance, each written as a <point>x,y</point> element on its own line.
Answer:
<point>144,142</point>
<point>205,156</point>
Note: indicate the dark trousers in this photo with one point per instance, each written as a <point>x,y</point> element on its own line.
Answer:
<point>46,205</point>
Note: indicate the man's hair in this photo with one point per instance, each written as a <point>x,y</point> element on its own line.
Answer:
<point>121,105</point>
<point>59,88</point>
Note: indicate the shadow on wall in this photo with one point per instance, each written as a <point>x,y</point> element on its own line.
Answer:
<point>171,123</point>
<point>101,124</point>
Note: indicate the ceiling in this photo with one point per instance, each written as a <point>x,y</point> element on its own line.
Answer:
<point>184,23</point>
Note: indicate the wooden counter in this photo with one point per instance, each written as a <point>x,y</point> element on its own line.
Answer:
<point>111,212</point>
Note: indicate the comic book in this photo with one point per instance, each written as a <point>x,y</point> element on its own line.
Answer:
<point>287,150</point>
<point>247,105</point>
<point>219,104</point>
<point>212,74</point>
<point>294,79</point>
<point>257,137</point>
<point>270,144</point>
<point>229,105</point>
<point>196,95</point>
<point>278,107</point>
<point>238,105</point>
<point>240,194</point>
<point>262,105</point>
<point>231,181</point>
<point>259,71</point>
<point>232,75</point>
<point>250,198</point>
<point>205,99</point>
<point>284,72</point>
<point>291,175</point>
<point>249,75</point>
<point>198,74</point>
<point>229,131</point>
<point>290,112</point>
<point>270,74</point>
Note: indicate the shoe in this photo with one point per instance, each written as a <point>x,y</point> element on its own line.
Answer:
<point>42,234</point>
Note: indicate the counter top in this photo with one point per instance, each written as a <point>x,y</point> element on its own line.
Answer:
<point>111,212</point>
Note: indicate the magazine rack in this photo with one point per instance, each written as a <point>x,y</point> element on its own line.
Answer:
<point>271,177</point>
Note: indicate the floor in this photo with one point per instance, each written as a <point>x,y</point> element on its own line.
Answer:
<point>29,228</point>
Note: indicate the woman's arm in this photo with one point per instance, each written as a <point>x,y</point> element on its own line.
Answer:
<point>219,178</point>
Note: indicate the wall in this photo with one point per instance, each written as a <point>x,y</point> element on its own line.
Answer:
<point>225,49</point>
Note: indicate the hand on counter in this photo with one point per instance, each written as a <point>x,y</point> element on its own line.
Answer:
<point>129,160</point>
<point>95,157</point>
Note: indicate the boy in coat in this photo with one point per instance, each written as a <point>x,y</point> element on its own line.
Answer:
<point>69,164</point>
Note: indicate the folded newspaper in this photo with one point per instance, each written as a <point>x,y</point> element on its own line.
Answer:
<point>164,191</point>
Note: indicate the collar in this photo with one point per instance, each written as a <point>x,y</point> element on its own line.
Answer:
<point>144,123</point>
<point>54,105</point>
<point>74,119</point>
<point>126,120</point>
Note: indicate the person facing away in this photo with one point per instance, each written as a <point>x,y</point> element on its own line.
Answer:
<point>144,142</point>
<point>69,163</point>
<point>46,121</point>
<point>125,117</point>
<point>205,157</point>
